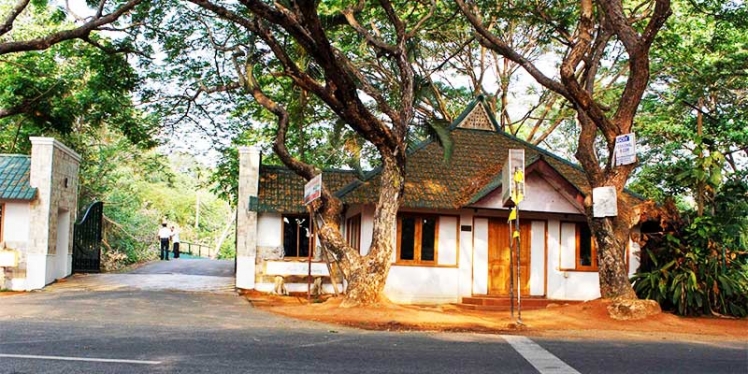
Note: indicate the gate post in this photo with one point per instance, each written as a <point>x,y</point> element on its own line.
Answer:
<point>246,221</point>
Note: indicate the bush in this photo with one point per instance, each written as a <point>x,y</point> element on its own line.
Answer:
<point>692,272</point>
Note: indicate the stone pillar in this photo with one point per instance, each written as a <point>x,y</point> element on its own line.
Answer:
<point>246,221</point>
<point>54,172</point>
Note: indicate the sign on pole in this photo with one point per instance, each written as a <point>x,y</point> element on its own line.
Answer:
<point>313,189</point>
<point>513,178</point>
<point>625,149</point>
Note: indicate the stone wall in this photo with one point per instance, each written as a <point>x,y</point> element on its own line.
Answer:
<point>54,172</point>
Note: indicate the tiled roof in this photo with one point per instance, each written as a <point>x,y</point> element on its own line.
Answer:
<point>281,190</point>
<point>474,170</point>
<point>14,178</point>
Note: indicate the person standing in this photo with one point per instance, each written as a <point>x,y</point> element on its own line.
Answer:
<point>163,235</point>
<point>175,241</point>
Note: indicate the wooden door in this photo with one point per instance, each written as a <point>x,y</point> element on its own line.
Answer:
<point>499,264</point>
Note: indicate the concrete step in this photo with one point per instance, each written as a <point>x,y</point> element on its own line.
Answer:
<point>491,303</point>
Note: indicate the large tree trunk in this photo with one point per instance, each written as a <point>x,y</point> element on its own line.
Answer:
<point>366,275</point>
<point>611,237</point>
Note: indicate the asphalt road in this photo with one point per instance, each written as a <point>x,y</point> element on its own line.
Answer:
<point>79,327</point>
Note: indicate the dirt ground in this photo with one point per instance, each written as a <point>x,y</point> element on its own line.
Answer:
<point>583,320</point>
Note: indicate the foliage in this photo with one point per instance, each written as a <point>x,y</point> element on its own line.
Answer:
<point>69,88</point>
<point>141,190</point>
<point>700,265</point>
<point>694,117</point>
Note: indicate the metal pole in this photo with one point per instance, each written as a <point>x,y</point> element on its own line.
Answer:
<point>511,269</point>
<point>519,264</point>
<point>310,237</point>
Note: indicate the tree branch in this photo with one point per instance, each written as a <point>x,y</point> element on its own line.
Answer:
<point>7,25</point>
<point>495,43</point>
<point>77,33</point>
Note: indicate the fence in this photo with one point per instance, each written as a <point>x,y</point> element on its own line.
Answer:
<point>194,249</point>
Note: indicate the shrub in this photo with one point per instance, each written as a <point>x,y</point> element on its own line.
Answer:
<point>692,271</point>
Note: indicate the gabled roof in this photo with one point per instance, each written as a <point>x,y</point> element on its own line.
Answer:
<point>282,190</point>
<point>15,171</point>
<point>473,171</point>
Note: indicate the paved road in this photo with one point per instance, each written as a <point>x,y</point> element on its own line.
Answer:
<point>198,275</point>
<point>195,266</point>
<point>140,328</point>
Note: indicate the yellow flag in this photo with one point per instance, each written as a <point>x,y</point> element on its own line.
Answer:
<point>513,214</point>
<point>519,176</point>
<point>516,234</point>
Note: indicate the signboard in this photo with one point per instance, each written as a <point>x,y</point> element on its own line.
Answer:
<point>624,152</point>
<point>513,177</point>
<point>8,258</point>
<point>604,202</point>
<point>295,268</point>
<point>313,189</point>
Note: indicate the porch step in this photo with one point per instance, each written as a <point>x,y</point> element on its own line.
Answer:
<point>500,304</point>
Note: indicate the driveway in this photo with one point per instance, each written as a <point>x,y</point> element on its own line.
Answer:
<point>190,275</point>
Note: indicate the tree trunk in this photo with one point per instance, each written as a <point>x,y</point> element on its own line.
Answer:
<point>611,238</point>
<point>366,275</point>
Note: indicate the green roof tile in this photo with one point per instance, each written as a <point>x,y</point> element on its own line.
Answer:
<point>281,190</point>
<point>14,178</point>
<point>473,171</point>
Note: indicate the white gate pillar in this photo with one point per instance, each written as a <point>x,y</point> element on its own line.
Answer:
<point>246,220</point>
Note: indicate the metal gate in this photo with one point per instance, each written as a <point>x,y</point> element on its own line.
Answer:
<point>87,240</point>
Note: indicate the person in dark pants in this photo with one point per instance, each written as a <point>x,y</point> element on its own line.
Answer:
<point>163,235</point>
<point>175,241</point>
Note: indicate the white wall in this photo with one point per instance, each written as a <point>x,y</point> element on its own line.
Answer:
<point>466,255</point>
<point>367,228</point>
<point>568,249</point>
<point>269,230</point>
<point>414,284</point>
<point>448,246</point>
<point>537,258</point>
<point>63,260</point>
<point>16,223</point>
<point>567,284</point>
<point>539,197</point>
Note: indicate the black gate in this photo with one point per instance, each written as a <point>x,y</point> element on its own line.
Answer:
<point>87,240</point>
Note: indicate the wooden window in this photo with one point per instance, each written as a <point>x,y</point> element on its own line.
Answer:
<point>417,238</point>
<point>586,258</point>
<point>296,235</point>
<point>353,232</point>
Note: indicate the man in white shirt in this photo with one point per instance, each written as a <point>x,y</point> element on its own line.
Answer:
<point>175,241</point>
<point>163,235</point>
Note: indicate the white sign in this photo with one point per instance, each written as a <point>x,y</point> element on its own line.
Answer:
<point>513,171</point>
<point>295,268</point>
<point>604,202</point>
<point>313,189</point>
<point>624,152</point>
<point>8,258</point>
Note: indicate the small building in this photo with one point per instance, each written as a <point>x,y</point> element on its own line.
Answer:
<point>38,204</point>
<point>452,238</point>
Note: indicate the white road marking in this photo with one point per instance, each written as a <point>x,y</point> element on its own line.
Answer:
<point>89,359</point>
<point>537,356</point>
